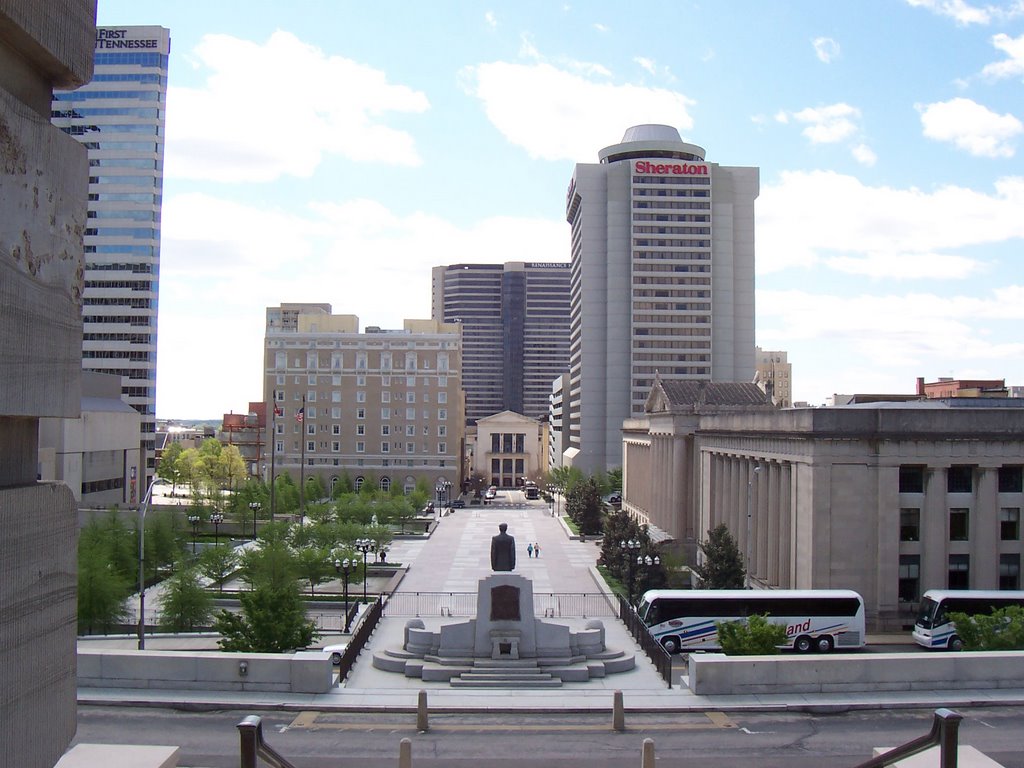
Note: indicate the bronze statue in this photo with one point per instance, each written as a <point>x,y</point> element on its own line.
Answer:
<point>503,550</point>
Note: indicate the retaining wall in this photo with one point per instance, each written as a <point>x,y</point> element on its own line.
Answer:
<point>301,672</point>
<point>716,673</point>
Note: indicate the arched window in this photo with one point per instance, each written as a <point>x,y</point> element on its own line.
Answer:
<point>385,484</point>
<point>359,483</point>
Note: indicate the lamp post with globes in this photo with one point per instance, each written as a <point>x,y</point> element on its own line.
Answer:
<point>365,546</point>
<point>216,518</point>
<point>647,561</point>
<point>628,548</point>
<point>255,506</point>
<point>343,568</point>
<point>194,520</point>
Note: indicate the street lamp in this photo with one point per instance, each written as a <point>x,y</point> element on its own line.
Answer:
<point>194,520</point>
<point>142,558</point>
<point>216,518</point>
<point>255,506</point>
<point>365,546</point>
<point>750,488</point>
<point>344,567</point>
<point>647,560</point>
<point>627,548</point>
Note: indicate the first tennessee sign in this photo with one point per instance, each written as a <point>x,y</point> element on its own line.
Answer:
<point>675,169</point>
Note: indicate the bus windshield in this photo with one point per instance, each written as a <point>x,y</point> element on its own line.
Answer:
<point>926,613</point>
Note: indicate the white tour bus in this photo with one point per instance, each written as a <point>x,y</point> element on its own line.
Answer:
<point>815,619</point>
<point>933,629</point>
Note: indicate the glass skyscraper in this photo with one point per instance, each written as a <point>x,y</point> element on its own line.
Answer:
<point>119,116</point>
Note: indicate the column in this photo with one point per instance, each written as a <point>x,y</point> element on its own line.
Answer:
<point>774,473</point>
<point>983,531</point>
<point>934,531</point>
<point>786,525</point>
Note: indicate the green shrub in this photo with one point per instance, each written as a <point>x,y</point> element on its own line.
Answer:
<point>1002,630</point>
<point>754,637</point>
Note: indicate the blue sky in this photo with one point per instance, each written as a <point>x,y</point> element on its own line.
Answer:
<point>336,151</point>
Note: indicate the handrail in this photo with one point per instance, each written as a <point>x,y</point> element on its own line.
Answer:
<point>253,748</point>
<point>944,734</point>
<point>661,658</point>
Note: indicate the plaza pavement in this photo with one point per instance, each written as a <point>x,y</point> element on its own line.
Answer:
<point>453,559</point>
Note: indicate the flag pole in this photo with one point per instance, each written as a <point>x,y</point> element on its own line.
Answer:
<point>273,453</point>
<point>302,465</point>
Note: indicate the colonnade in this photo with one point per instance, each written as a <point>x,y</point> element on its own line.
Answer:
<point>753,497</point>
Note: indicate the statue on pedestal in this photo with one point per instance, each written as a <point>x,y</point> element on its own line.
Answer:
<point>503,550</point>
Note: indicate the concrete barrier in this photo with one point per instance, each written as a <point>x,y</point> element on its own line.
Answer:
<point>301,672</point>
<point>718,674</point>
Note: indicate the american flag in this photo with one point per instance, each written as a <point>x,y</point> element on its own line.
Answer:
<point>299,414</point>
<point>278,410</point>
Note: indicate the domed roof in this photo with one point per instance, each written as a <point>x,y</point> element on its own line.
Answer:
<point>651,132</point>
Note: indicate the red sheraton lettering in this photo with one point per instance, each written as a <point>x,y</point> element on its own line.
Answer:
<point>678,169</point>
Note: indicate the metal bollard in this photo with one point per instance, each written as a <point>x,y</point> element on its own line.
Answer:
<point>421,712</point>
<point>405,753</point>
<point>618,713</point>
<point>647,754</point>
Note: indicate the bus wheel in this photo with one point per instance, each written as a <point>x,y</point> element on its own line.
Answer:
<point>825,644</point>
<point>670,644</point>
<point>803,644</point>
<point>955,643</point>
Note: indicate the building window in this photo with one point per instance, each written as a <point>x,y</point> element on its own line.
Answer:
<point>335,413</point>
<point>442,448</point>
<point>385,447</point>
<point>360,413</point>
<point>360,396</point>
<point>360,429</point>
<point>1009,523</point>
<point>336,446</point>
<point>279,446</point>
<point>310,446</point>
<point>959,529</point>
<point>336,396</point>
<point>311,429</point>
<point>910,578</point>
<point>910,524</point>
<point>410,414</point>
<point>442,414</point>
<point>385,397</point>
<point>410,447</point>
<point>442,431</point>
<point>442,397</point>
<point>959,479</point>
<point>911,479</point>
<point>1011,479</point>
<point>335,429</point>
<point>360,446</point>
<point>410,430</point>
<point>360,381</point>
<point>1009,571</point>
<point>959,572</point>
<point>385,429</point>
<point>311,396</point>
<point>385,413</point>
<point>410,397</point>
<point>495,442</point>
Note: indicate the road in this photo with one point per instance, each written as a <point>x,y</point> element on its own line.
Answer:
<point>716,739</point>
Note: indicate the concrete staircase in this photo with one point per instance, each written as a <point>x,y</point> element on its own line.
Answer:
<point>506,673</point>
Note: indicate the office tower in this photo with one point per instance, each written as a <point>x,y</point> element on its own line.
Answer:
<point>774,375</point>
<point>662,250</point>
<point>381,406</point>
<point>515,331</point>
<point>119,116</point>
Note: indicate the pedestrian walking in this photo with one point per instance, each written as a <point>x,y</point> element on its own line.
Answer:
<point>536,550</point>
<point>529,550</point>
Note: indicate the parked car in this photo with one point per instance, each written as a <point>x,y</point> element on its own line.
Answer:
<point>458,503</point>
<point>336,651</point>
<point>615,499</point>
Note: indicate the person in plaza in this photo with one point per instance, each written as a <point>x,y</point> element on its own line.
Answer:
<point>503,550</point>
<point>529,550</point>
<point>536,549</point>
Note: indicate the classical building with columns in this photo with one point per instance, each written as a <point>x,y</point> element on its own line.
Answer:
<point>889,499</point>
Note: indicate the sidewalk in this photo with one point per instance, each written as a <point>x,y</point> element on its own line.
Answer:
<point>453,560</point>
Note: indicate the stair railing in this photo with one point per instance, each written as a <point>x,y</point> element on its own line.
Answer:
<point>254,748</point>
<point>944,734</point>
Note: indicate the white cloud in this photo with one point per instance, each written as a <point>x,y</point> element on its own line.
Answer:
<point>491,19</point>
<point>810,218</point>
<point>1013,66</point>
<point>224,262</point>
<point>555,114</point>
<point>965,14</point>
<point>826,49</point>
<point>274,109</point>
<point>645,64</point>
<point>970,126</point>
<point>601,27</point>
<point>864,155</point>
<point>830,124</point>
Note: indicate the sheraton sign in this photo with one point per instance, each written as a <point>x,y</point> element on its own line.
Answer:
<point>676,169</point>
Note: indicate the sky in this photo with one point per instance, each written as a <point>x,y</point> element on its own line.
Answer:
<point>334,152</point>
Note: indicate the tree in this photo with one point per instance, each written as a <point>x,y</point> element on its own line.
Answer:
<point>271,564</point>
<point>755,637</point>
<point>217,563</point>
<point>102,590</point>
<point>583,505</point>
<point>186,604</point>
<point>314,564</point>
<point>722,567</point>
<point>273,620</point>
<point>1002,630</point>
<point>168,468</point>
